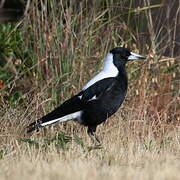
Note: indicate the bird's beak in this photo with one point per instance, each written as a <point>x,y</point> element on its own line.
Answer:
<point>135,56</point>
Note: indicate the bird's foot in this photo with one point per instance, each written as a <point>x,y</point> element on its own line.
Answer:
<point>91,132</point>
<point>94,138</point>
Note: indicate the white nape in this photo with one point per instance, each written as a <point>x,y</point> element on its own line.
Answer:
<point>109,70</point>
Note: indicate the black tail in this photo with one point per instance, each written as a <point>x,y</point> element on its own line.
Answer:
<point>72,105</point>
<point>34,126</point>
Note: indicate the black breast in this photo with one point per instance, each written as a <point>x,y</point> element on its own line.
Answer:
<point>107,103</point>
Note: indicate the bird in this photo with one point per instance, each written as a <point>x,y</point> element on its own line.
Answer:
<point>98,99</point>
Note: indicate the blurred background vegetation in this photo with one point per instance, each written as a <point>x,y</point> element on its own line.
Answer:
<point>50,48</point>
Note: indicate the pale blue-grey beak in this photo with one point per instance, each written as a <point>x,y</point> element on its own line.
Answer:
<point>135,56</point>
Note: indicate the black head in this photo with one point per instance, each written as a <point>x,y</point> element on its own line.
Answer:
<point>124,55</point>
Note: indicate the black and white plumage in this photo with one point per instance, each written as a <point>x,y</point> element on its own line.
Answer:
<point>99,98</point>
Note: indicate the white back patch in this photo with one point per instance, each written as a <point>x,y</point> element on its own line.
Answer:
<point>109,70</point>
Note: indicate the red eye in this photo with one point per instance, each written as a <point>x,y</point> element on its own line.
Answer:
<point>128,53</point>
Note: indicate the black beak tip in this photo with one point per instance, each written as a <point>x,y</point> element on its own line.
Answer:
<point>143,57</point>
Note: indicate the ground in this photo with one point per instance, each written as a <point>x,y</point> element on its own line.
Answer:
<point>129,150</point>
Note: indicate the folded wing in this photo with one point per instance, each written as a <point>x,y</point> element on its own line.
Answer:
<point>73,107</point>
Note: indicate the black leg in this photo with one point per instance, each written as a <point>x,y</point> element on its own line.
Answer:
<point>91,132</point>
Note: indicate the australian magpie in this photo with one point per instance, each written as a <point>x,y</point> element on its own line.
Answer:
<point>98,99</point>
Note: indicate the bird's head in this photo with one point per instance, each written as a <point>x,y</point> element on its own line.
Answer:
<point>117,58</point>
<point>124,55</point>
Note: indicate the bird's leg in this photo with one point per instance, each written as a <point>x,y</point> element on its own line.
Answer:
<point>91,132</point>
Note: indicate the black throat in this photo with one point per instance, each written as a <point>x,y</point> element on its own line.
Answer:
<point>120,63</point>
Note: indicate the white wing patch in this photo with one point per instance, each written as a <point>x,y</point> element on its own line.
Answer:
<point>109,70</point>
<point>64,118</point>
<point>93,98</point>
<point>80,97</point>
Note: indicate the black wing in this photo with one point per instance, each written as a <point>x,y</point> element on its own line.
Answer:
<point>96,89</point>
<point>74,104</point>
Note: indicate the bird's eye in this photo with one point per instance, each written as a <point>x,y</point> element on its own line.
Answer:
<point>128,53</point>
<point>124,54</point>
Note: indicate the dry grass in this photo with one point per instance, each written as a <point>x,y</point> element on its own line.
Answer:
<point>62,48</point>
<point>130,150</point>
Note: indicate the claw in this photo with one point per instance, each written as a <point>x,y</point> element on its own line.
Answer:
<point>91,132</point>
